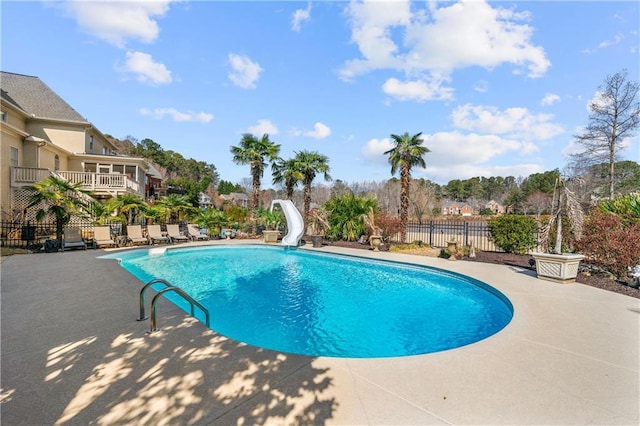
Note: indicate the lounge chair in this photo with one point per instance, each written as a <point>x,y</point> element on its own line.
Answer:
<point>195,233</point>
<point>73,239</point>
<point>134,234</point>
<point>174,233</point>
<point>156,235</point>
<point>102,236</point>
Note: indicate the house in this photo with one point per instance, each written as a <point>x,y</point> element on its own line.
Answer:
<point>204,201</point>
<point>43,135</point>
<point>457,208</point>
<point>495,207</point>
<point>237,198</point>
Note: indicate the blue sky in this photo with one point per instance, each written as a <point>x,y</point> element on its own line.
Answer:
<point>496,88</point>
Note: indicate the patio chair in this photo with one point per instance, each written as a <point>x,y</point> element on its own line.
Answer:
<point>134,234</point>
<point>156,235</point>
<point>73,239</point>
<point>174,233</point>
<point>102,236</point>
<point>195,233</point>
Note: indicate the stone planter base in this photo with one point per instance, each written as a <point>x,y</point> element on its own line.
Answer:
<point>560,268</point>
<point>270,236</point>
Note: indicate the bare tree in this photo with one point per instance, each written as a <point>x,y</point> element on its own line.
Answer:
<point>614,116</point>
<point>538,202</point>
<point>389,198</point>
<point>422,198</point>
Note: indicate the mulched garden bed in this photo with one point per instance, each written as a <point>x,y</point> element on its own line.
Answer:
<point>522,261</point>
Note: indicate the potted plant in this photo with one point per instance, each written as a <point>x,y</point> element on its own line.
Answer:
<point>318,225</point>
<point>556,265</point>
<point>375,238</point>
<point>271,221</point>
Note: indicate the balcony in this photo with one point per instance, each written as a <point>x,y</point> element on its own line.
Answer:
<point>109,184</point>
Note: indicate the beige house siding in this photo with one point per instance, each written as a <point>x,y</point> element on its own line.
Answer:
<point>51,136</point>
<point>12,135</point>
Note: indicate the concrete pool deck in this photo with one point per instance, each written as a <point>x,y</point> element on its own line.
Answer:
<point>72,353</point>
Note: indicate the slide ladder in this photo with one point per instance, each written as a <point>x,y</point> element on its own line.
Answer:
<point>295,224</point>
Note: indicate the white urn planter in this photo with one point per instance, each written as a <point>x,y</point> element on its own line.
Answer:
<point>561,268</point>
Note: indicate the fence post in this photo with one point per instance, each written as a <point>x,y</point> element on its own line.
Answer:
<point>430,233</point>
<point>466,234</point>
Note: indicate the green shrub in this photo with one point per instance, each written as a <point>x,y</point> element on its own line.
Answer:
<point>611,242</point>
<point>345,219</point>
<point>627,206</point>
<point>514,233</point>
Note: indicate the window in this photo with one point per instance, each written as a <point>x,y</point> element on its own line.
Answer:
<point>90,142</point>
<point>131,172</point>
<point>56,164</point>
<point>104,150</point>
<point>13,161</point>
<point>3,116</point>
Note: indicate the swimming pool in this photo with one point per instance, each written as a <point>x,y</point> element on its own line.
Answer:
<point>320,304</point>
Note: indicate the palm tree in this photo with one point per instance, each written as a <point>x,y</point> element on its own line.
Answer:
<point>285,171</point>
<point>255,152</point>
<point>177,206</point>
<point>211,219</point>
<point>408,152</point>
<point>128,205</point>
<point>309,164</point>
<point>59,198</point>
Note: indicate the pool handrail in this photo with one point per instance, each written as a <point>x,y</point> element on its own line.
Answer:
<point>188,298</point>
<point>154,301</point>
<point>143,298</point>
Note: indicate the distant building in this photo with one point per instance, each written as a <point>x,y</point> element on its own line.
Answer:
<point>457,208</point>
<point>204,200</point>
<point>237,198</point>
<point>495,207</point>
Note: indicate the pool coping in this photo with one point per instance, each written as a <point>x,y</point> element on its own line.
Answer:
<point>72,352</point>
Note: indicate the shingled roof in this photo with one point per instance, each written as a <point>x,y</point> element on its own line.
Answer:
<point>36,98</point>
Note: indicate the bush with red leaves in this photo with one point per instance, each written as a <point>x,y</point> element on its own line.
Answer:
<point>389,225</point>
<point>611,242</point>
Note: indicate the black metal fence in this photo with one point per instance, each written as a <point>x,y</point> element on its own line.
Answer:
<point>33,235</point>
<point>437,233</point>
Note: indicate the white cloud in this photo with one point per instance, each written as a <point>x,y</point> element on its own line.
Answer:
<point>371,25</point>
<point>455,155</point>
<point>145,69</point>
<point>416,90</point>
<point>429,44</point>
<point>263,126</point>
<point>599,100</point>
<point>320,131</point>
<point>607,43</point>
<point>189,116</point>
<point>549,99</point>
<point>244,72</point>
<point>118,21</point>
<point>481,86</point>
<point>449,148</point>
<point>300,16</point>
<point>461,156</point>
<point>373,151</point>
<point>514,122</point>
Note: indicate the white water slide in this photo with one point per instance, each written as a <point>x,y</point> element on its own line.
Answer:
<point>295,224</point>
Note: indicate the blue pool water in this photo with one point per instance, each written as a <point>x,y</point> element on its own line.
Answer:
<point>315,304</point>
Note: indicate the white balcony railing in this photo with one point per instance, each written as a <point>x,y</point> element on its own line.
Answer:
<point>22,176</point>
<point>104,182</point>
<point>99,183</point>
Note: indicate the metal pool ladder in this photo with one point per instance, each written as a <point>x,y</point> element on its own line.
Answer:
<point>168,287</point>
